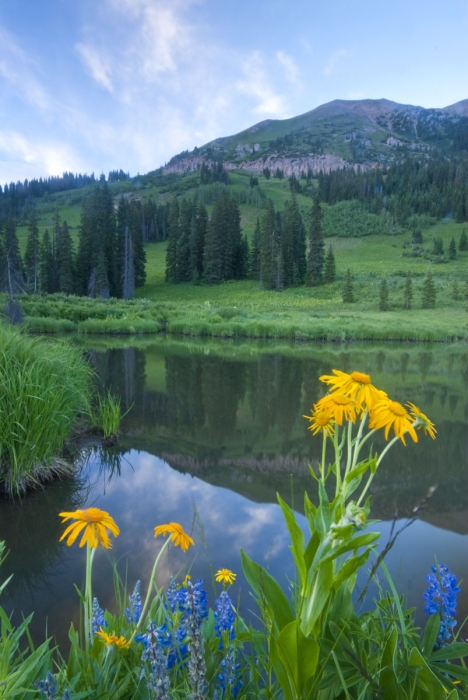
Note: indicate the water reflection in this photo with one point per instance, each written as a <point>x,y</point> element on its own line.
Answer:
<point>214,432</point>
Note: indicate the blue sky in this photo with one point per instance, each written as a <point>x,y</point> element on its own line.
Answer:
<point>90,85</point>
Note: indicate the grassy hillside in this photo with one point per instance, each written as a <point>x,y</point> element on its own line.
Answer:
<point>244,309</point>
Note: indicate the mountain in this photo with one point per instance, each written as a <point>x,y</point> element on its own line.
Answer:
<point>339,134</point>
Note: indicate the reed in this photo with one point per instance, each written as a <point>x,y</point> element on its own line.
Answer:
<point>44,387</point>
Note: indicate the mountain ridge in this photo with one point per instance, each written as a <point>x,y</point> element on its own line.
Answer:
<point>338,134</point>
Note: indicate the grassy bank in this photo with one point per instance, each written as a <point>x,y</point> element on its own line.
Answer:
<point>44,387</point>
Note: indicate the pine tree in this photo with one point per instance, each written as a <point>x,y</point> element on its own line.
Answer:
<point>255,252</point>
<point>452,249</point>
<point>128,266</point>
<point>348,289</point>
<point>408,294</point>
<point>11,265</point>
<point>65,261</point>
<point>184,271</point>
<point>32,255</point>
<point>463,244</point>
<point>46,264</point>
<point>438,247</point>
<point>455,292</point>
<point>383,295</point>
<point>329,275</point>
<point>173,234</point>
<point>101,280</point>
<point>316,246</point>
<point>269,252</point>
<point>428,292</point>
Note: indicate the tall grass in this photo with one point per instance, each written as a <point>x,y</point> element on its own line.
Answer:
<point>107,414</point>
<point>43,388</point>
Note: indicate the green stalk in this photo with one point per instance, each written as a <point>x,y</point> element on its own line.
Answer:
<point>371,476</point>
<point>324,447</point>
<point>150,585</point>
<point>88,601</point>
<point>337,462</point>
<point>358,443</point>
<point>350,438</point>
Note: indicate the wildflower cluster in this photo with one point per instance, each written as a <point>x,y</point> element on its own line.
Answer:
<point>228,677</point>
<point>48,688</point>
<point>441,597</point>
<point>353,396</point>
<point>158,678</point>
<point>97,620</point>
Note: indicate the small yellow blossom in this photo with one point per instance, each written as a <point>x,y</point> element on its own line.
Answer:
<point>321,421</point>
<point>225,576</point>
<point>356,386</point>
<point>337,406</point>
<point>95,523</point>
<point>422,420</point>
<point>112,639</point>
<point>387,414</point>
<point>178,535</point>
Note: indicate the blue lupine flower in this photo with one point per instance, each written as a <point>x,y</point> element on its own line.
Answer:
<point>175,597</point>
<point>441,597</point>
<point>196,610</point>
<point>133,613</point>
<point>97,620</point>
<point>48,687</point>
<point>157,680</point>
<point>225,617</point>
<point>229,676</point>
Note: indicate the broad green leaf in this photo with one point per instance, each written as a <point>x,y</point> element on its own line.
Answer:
<point>320,584</point>
<point>297,540</point>
<point>458,672</point>
<point>435,690</point>
<point>430,633</point>
<point>299,656</point>
<point>350,567</point>
<point>311,549</point>
<point>359,541</point>
<point>268,590</point>
<point>358,471</point>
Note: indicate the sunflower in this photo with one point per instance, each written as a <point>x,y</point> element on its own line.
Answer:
<point>387,414</point>
<point>356,385</point>
<point>337,406</point>
<point>422,420</point>
<point>178,535</point>
<point>321,421</point>
<point>225,575</point>
<point>110,639</point>
<point>95,523</point>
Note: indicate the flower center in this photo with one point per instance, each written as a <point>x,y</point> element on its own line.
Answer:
<point>360,377</point>
<point>321,418</point>
<point>396,408</point>
<point>92,515</point>
<point>341,400</point>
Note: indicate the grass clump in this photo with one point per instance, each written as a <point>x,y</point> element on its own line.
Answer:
<point>43,389</point>
<point>106,415</point>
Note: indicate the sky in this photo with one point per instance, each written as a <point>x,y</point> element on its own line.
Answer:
<point>92,86</point>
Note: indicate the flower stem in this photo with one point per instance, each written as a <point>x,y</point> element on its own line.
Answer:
<point>150,585</point>
<point>324,447</point>
<point>88,601</point>
<point>371,476</point>
<point>337,461</point>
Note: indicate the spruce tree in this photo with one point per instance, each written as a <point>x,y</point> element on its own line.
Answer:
<point>383,295</point>
<point>452,249</point>
<point>428,292</point>
<point>408,294</point>
<point>32,255</point>
<point>46,264</point>
<point>329,274</point>
<point>65,262</point>
<point>11,271</point>
<point>128,265</point>
<point>269,253</point>
<point>254,266</point>
<point>463,244</point>
<point>173,234</point>
<point>455,292</point>
<point>184,271</point>
<point>417,236</point>
<point>438,246</point>
<point>348,289</point>
<point>316,246</point>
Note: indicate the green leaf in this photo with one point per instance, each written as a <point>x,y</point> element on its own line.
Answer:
<point>430,633</point>
<point>298,655</point>
<point>457,650</point>
<point>268,591</point>
<point>359,541</point>
<point>297,540</point>
<point>458,672</point>
<point>311,549</point>
<point>358,471</point>
<point>350,567</point>
<point>435,690</point>
<point>320,585</point>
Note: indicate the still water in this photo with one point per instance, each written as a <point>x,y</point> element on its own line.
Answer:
<point>213,431</point>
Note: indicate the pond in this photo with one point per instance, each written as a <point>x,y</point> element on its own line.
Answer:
<point>213,431</point>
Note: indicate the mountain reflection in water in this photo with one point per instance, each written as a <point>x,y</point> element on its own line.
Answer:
<point>214,431</point>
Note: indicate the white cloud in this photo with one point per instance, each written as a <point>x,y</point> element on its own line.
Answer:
<point>19,70</point>
<point>96,64</point>
<point>290,68</point>
<point>334,60</point>
<point>257,84</point>
<point>36,158</point>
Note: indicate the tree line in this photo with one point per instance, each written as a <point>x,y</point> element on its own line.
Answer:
<point>109,259</point>
<point>285,250</point>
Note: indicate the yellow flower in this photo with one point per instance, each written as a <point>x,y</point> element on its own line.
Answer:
<point>321,421</point>
<point>225,575</point>
<point>109,639</point>
<point>95,523</point>
<point>387,414</point>
<point>337,406</point>
<point>178,535</point>
<point>356,385</point>
<point>422,420</point>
